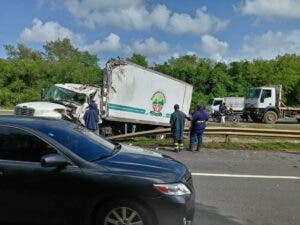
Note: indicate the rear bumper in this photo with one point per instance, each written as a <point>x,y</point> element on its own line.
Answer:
<point>174,210</point>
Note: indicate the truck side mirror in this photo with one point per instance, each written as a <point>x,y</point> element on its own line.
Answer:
<point>262,99</point>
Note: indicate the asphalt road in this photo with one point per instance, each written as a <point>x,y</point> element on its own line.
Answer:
<point>221,199</point>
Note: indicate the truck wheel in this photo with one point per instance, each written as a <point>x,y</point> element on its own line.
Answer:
<point>270,117</point>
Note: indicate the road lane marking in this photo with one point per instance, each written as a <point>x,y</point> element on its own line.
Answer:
<point>245,176</point>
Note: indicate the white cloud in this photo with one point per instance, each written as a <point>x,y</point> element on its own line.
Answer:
<point>289,9</point>
<point>214,47</point>
<point>150,47</point>
<point>111,43</point>
<point>202,23</point>
<point>49,31</point>
<point>271,44</point>
<point>133,15</point>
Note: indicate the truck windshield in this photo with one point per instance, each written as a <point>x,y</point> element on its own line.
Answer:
<point>253,93</point>
<point>56,93</point>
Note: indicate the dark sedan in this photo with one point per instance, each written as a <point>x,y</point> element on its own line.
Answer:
<point>56,172</point>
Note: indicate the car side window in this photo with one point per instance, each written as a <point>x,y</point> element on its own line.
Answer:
<point>20,145</point>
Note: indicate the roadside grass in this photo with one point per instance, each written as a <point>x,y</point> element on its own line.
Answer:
<point>291,124</point>
<point>6,107</point>
<point>270,145</point>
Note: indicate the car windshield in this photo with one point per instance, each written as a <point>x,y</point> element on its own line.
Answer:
<point>80,141</point>
<point>56,93</point>
<point>253,93</point>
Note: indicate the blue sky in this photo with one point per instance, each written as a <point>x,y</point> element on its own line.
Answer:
<point>223,30</point>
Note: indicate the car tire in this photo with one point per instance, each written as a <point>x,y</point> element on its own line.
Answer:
<point>124,212</point>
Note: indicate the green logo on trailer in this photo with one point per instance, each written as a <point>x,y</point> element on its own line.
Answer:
<point>158,102</point>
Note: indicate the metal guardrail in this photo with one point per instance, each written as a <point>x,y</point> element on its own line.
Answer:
<point>6,112</point>
<point>218,131</point>
<point>221,131</point>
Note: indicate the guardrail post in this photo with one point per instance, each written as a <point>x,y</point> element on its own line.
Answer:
<point>125,128</point>
<point>227,139</point>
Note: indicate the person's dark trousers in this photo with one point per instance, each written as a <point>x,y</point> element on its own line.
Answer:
<point>196,134</point>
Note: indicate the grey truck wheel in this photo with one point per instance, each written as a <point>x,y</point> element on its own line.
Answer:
<point>270,117</point>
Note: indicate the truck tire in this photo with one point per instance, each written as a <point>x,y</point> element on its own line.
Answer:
<point>270,117</point>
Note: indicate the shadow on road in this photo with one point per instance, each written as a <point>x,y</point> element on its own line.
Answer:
<point>208,215</point>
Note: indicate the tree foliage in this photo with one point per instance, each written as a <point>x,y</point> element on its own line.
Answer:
<point>138,59</point>
<point>26,71</point>
<point>215,79</point>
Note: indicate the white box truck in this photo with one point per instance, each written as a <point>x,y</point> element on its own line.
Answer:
<point>234,103</point>
<point>133,98</point>
<point>264,104</point>
<point>140,97</point>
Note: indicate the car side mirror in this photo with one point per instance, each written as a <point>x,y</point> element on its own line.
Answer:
<point>54,160</point>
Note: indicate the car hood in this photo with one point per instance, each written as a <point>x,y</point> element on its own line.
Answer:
<point>145,163</point>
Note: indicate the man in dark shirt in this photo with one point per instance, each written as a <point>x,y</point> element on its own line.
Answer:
<point>199,119</point>
<point>177,122</point>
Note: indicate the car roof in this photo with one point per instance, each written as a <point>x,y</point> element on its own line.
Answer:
<point>33,122</point>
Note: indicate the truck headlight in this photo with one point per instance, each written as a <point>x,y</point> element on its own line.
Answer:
<point>173,189</point>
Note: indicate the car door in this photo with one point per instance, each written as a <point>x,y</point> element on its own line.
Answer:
<point>30,193</point>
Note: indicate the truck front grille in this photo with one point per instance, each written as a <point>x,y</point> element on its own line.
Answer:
<point>24,111</point>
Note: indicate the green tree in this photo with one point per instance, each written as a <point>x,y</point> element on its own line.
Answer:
<point>26,71</point>
<point>138,59</point>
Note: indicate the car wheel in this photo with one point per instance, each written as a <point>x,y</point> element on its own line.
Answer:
<point>123,212</point>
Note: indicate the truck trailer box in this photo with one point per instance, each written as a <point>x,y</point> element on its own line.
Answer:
<point>134,94</point>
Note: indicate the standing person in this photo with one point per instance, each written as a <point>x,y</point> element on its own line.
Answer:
<point>222,111</point>
<point>91,117</point>
<point>177,122</point>
<point>199,119</point>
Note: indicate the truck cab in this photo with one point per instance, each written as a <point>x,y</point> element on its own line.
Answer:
<point>236,104</point>
<point>62,101</point>
<point>213,105</point>
<point>262,103</point>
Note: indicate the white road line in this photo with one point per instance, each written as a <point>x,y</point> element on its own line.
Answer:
<point>245,176</point>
